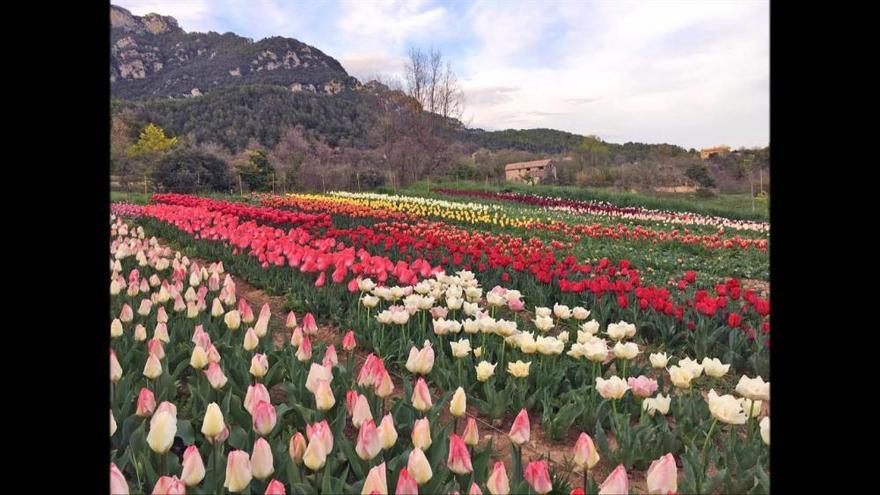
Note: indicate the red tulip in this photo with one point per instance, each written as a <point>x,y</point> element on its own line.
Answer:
<point>275,488</point>
<point>537,475</point>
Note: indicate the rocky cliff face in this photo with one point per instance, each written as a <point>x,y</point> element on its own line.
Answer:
<point>152,56</point>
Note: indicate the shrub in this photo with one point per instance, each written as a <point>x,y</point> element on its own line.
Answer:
<point>187,171</point>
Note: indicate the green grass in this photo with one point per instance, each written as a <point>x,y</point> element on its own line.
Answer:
<point>126,197</point>
<point>735,206</point>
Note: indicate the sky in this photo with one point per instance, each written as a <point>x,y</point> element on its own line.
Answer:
<point>691,73</point>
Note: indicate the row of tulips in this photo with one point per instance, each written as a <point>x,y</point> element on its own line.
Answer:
<point>242,468</point>
<point>607,209</point>
<point>416,208</point>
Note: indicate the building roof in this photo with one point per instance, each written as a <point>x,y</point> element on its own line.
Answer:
<point>531,164</point>
<point>715,148</point>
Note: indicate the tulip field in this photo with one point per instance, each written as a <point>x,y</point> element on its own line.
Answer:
<point>455,342</point>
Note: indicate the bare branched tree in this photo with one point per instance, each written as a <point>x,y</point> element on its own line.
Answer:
<point>431,82</point>
<point>416,75</point>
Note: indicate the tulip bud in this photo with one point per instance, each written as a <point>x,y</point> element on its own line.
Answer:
<point>153,368</point>
<point>360,412</point>
<point>421,397</point>
<point>498,483</point>
<point>616,482</point>
<point>585,454</point>
<point>520,431</point>
<point>250,340</point>
<point>368,442</point>
<point>140,333</point>
<point>459,459</point>
<point>259,365</point>
<point>459,403</point>
<point>296,337</point>
<point>663,476</point>
<point>309,325</point>
<point>115,368</point>
<point>118,485</point>
<point>421,434</point>
<point>112,423</point>
<point>254,394</point>
<point>217,308</point>
<point>169,485</point>
<point>116,328</point>
<point>264,417</point>
<point>471,434</point>
<point>215,376</point>
<point>290,322</point>
<point>406,484</point>
<point>375,481</point>
<point>275,487</point>
<point>163,427</point>
<point>261,461</point>
<point>238,471</point>
<point>382,383</point>
<point>315,456</point>
<point>304,353</point>
<point>330,358</point>
<point>317,372</point>
<point>348,342</point>
<point>199,358</point>
<point>419,467</point>
<point>154,347</point>
<point>213,354</point>
<point>387,432</point>
<point>146,403</point>
<point>161,315</point>
<point>297,448</point>
<point>324,399</point>
<point>193,468</point>
<point>213,425</point>
<point>126,314</point>
<point>232,320</point>
<point>538,477</point>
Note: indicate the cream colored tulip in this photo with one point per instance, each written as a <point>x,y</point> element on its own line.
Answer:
<point>726,408</point>
<point>714,368</point>
<point>765,430</point>
<point>753,388</point>
<point>681,377</point>
<point>658,360</point>
<point>213,423</point>
<point>163,427</point>
<point>458,405</point>
<point>612,388</point>
<point>419,467</point>
<point>626,351</point>
<point>485,370</point>
<point>519,369</point>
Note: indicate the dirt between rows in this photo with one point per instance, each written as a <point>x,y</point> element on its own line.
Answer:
<point>539,446</point>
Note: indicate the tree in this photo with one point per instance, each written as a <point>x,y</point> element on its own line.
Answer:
<point>431,82</point>
<point>699,173</point>
<point>593,149</point>
<point>151,146</point>
<point>188,171</point>
<point>257,172</point>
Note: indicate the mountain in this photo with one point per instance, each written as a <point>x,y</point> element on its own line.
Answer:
<point>152,56</point>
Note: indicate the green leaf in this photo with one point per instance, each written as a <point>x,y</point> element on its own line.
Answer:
<point>185,432</point>
<point>238,438</point>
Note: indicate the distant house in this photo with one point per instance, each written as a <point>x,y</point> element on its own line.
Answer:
<point>532,172</point>
<point>707,153</point>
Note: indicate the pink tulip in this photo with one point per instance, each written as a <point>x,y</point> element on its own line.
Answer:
<point>538,476</point>
<point>421,398</point>
<point>193,467</point>
<point>259,365</point>
<point>238,471</point>
<point>275,488</point>
<point>616,483</point>
<point>321,431</point>
<point>247,314</point>
<point>201,337</point>
<point>330,358</point>
<point>498,483</point>
<point>161,332</point>
<point>520,431</point>
<point>322,279</point>
<point>642,386</point>
<point>297,448</point>
<point>162,315</point>
<point>221,437</point>
<point>215,376</point>
<point>383,384</point>
<point>155,347</point>
<point>516,305</point>
<point>304,353</point>
<point>255,393</point>
<point>360,412</point>
<point>262,463</point>
<point>126,314</point>
<point>351,398</point>
<point>421,434</point>
<point>471,433</point>
<point>348,342</point>
<point>367,375</point>
<point>368,442</point>
<point>663,475</point>
<point>290,322</point>
<point>406,484</point>
<point>309,325</point>
<point>118,485</point>
<point>585,454</point>
<point>459,460</point>
<point>169,485</point>
<point>264,417</point>
<point>475,490</point>
<point>146,403</point>
<point>296,337</point>
<point>438,312</point>
<point>376,480</point>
